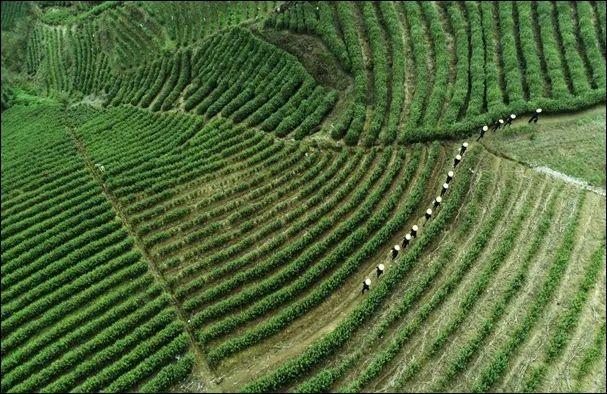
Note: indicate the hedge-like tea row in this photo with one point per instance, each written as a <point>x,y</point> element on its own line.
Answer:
<point>379,54</point>
<point>494,371</point>
<point>457,101</point>
<point>395,37</point>
<point>511,57</point>
<point>592,355</point>
<point>322,348</point>
<point>421,52</point>
<point>352,122</point>
<point>467,351</point>
<point>325,379</point>
<point>566,323</point>
<point>441,60</point>
<point>76,291</point>
<point>470,257</point>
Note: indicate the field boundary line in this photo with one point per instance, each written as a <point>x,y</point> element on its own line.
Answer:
<point>575,182</point>
<point>205,371</point>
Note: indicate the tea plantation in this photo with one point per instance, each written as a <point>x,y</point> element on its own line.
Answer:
<point>193,194</point>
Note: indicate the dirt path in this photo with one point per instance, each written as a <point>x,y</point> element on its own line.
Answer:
<point>578,183</point>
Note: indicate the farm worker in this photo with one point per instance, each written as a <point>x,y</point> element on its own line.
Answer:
<point>395,250</point>
<point>536,116</point>
<point>444,190</point>
<point>463,148</point>
<point>497,125</point>
<point>366,285</point>
<point>483,131</point>
<point>414,231</point>
<point>437,202</point>
<point>380,270</point>
<point>509,120</point>
<point>456,161</point>
<point>428,214</point>
<point>406,240</point>
<point>449,176</point>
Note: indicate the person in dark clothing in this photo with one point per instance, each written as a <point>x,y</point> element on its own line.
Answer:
<point>406,240</point>
<point>497,125</point>
<point>395,250</point>
<point>379,270</point>
<point>456,161</point>
<point>437,202</point>
<point>536,116</point>
<point>463,148</point>
<point>444,189</point>
<point>484,129</point>
<point>449,176</point>
<point>509,120</point>
<point>428,214</point>
<point>366,285</point>
<point>414,231</point>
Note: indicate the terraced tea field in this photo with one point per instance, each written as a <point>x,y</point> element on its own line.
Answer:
<point>194,193</point>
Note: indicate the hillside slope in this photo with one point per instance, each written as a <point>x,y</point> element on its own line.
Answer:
<point>186,206</point>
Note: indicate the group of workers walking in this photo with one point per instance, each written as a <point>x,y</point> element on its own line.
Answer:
<point>379,270</point>
<point>501,123</point>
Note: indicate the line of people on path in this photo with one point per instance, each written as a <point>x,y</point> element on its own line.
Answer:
<point>501,123</point>
<point>379,270</point>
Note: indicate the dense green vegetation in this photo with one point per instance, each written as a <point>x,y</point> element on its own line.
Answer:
<point>517,37</point>
<point>187,206</point>
<point>76,292</point>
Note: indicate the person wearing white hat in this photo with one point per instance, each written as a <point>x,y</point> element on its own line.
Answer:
<point>414,231</point>
<point>484,129</point>
<point>499,123</point>
<point>456,161</point>
<point>463,148</point>
<point>536,116</point>
<point>395,250</point>
<point>437,201</point>
<point>366,285</point>
<point>379,269</point>
<point>406,240</point>
<point>509,120</point>
<point>444,189</point>
<point>428,214</point>
<point>449,176</point>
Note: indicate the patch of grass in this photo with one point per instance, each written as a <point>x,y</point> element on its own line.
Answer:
<point>572,144</point>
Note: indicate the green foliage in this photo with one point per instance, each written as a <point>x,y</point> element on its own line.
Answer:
<point>327,345</point>
<point>494,371</point>
<point>175,187</point>
<point>395,32</point>
<point>566,323</point>
<point>77,293</point>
